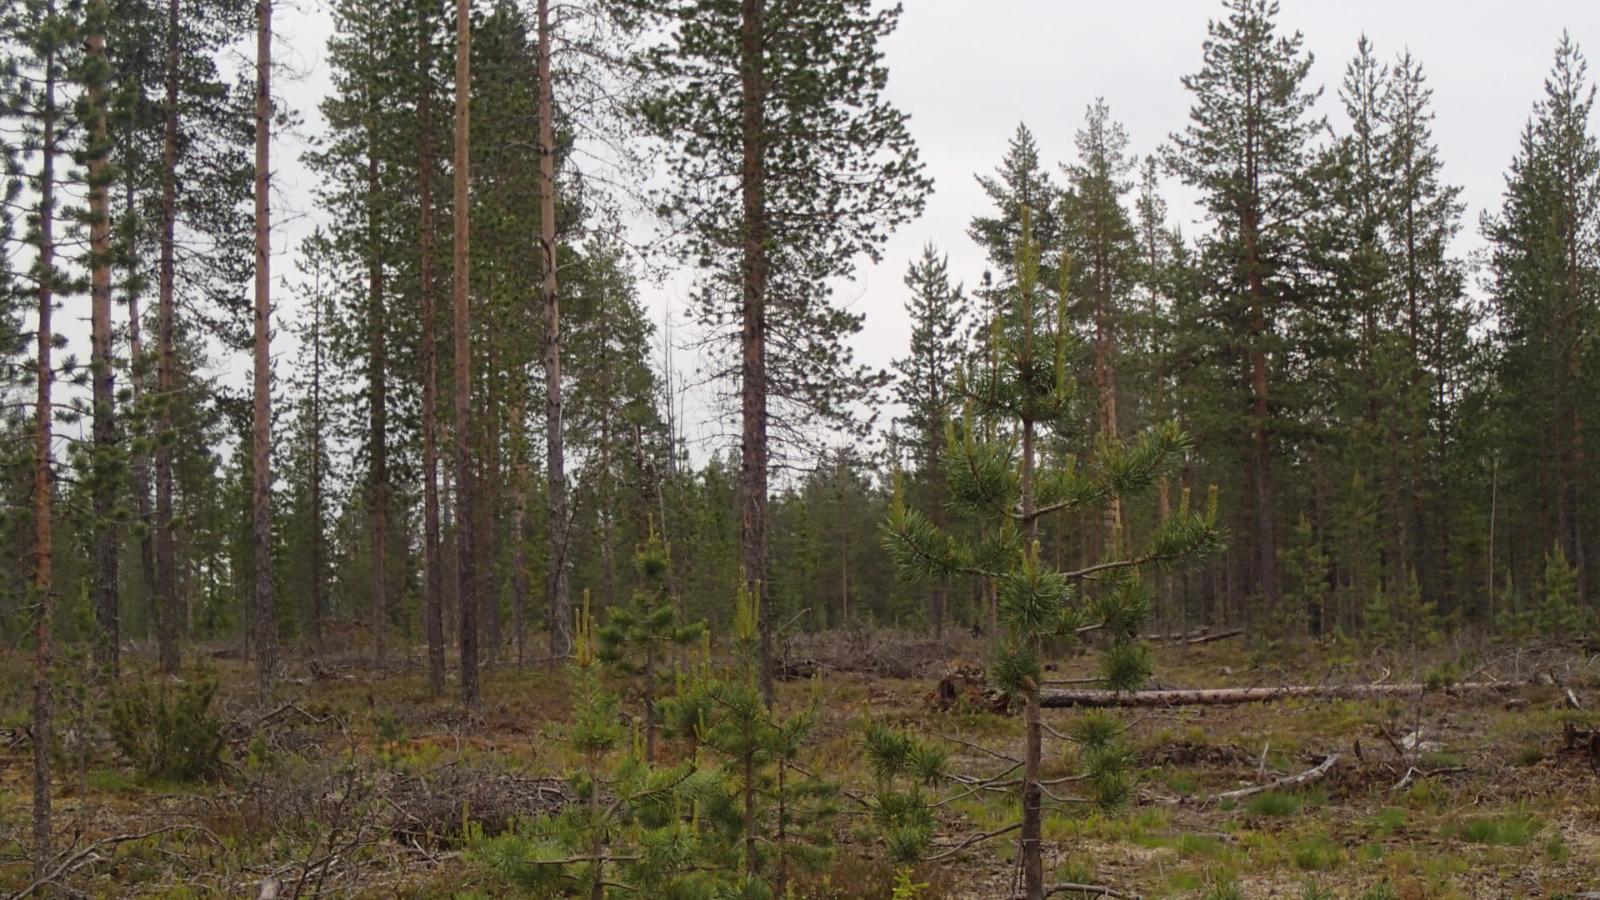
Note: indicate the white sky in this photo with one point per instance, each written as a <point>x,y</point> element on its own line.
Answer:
<point>968,71</point>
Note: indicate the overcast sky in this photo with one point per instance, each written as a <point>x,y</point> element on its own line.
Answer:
<point>968,71</point>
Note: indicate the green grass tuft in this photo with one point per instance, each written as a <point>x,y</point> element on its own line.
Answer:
<point>1510,830</point>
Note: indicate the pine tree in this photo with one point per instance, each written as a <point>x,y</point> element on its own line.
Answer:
<point>265,599</point>
<point>1424,215</point>
<point>825,169</point>
<point>425,87</point>
<point>1246,151</point>
<point>1025,385</point>
<point>1099,237</point>
<point>769,811</point>
<point>44,37</point>
<point>466,489</point>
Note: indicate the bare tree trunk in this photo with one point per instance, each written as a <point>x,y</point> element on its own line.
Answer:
<point>560,604</point>
<point>466,589</point>
<point>486,534</point>
<point>318,539</point>
<point>261,432</point>
<point>519,515</point>
<point>1032,835</point>
<point>103,479</point>
<point>432,562</point>
<point>166,600</point>
<point>753,338</point>
<point>1164,612</point>
<point>378,411</point>
<point>45,375</point>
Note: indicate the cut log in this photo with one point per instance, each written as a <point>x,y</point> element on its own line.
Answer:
<point>1057,699</point>
<point>1315,773</point>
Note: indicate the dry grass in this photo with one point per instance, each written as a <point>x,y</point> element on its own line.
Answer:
<point>357,787</point>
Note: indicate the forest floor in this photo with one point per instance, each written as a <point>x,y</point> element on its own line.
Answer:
<point>357,784</point>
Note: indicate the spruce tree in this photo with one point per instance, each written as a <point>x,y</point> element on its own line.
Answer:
<point>1020,182</point>
<point>1544,285</point>
<point>635,638</point>
<point>925,387</point>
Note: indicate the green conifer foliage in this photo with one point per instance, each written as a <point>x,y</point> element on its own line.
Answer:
<point>631,830</point>
<point>1022,389</point>
<point>636,638</point>
<point>765,813</point>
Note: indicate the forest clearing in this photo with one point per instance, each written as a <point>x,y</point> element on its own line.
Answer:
<point>357,785</point>
<point>799,449</point>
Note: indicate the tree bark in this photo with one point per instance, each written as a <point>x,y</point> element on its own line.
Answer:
<point>1032,836</point>
<point>1056,699</point>
<point>44,376</point>
<point>166,602</point>
<point>104,481</point>
<point>318,539</point>
<point>753,337</point>
<point>519,516</point>
<point>432,562</point>
<point>557,537</point>
<point>1314,773</point>
<point>486,532</point>
<point>378,409</point>
<point>1105,377</point>
<point>261,431</point>
<point>466,588</point>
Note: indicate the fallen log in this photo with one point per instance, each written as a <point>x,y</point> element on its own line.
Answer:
<point>1067,699</point>
<point>1086,890</point>
<point>1197,636</point>
<point>1314,773</point>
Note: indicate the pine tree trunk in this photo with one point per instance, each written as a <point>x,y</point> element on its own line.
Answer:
<point>261,432</point>
<point>432,562</point>
<point>44,377</point>
<point>466,589</point>
<point>378,414</point>
<point>103,479</point>
<point>1105,376</point>
<point>166,588</point>
<point>557,525</point>
<point>519,517</point>
<point>1033,743</point>
<point>1266,534</point>
<point>318,539</point>
<point>486,533</point>
<point>753,337</point>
